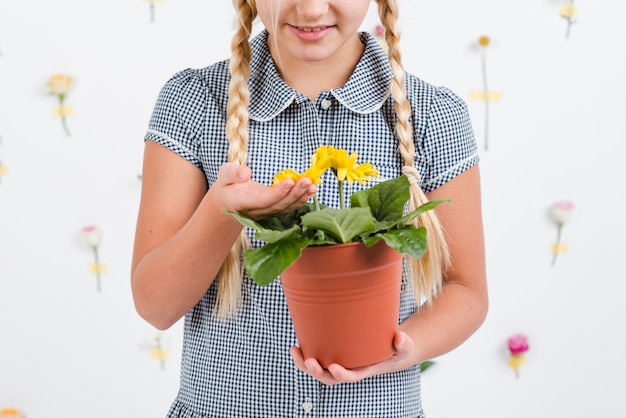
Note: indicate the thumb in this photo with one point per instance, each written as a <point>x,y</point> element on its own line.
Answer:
<point>235,173</point>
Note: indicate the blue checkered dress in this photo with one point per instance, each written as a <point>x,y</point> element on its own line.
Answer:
<point>241,367</point>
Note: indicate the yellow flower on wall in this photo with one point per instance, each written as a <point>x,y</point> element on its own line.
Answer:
<point>11,413</point>
<point>59,85</point>
<point>485,95</point>
<point>568,12</point>
<point>159,352</point>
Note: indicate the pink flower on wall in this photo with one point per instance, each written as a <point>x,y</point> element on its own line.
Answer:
<point>560,213</point>
<point>379,34</point>
<point>518,346</point>
<point>59,86</point>
<point>93,237</point>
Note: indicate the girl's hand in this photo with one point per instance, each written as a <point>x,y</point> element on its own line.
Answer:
<point>238,193</point>
<point>335,374</point>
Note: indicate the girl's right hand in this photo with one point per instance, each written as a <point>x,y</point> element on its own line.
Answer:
<point>237,192</point>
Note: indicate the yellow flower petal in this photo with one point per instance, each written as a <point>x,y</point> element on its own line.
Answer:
<point>59,84</point>
<point>287,174</point>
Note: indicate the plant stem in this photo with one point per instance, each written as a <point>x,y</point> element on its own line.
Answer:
<point>486,92</point>
<point>342,204</point>
<point>159,348</point>
<point>316,204</point>
<point>569,19</point>
<point>97,267</point>
<point>62,112</point>
<point>558,241</point>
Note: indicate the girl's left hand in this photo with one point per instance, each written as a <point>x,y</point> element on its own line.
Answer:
<point>335,373</point>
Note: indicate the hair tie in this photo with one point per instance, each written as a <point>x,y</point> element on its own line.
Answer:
<point>412,174</point>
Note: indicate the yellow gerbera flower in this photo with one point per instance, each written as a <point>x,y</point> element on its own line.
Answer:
<point>287,174</point>
<point>362,173</point>
<point>321,158</point>
<point>341,162</point>
<point>345,167</point>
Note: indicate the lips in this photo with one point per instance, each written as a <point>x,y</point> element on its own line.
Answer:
<point>315,29</point>
<point>311,33</point>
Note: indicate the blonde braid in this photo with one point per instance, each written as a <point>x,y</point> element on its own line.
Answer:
<point>231,272</point>
<point>428,271</point>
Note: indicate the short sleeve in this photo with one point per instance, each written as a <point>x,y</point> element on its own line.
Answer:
<point>177,117</point>
<point>449,146</point>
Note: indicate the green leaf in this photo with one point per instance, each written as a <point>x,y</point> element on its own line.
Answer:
<point>409,240</point>
<point>271,236</point>
<point>423,208</point>
<point>341,224</point>
<point>386,200</point>
<point>425,365</point>
<point>265,234</point>
<point>265,263</point>
<point>245,221</point>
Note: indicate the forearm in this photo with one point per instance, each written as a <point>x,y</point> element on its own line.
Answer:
<point>172,277</point>
<point>452,318</point>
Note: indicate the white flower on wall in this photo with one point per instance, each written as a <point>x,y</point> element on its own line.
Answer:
<point>560,212</point>
<point>93,238</point>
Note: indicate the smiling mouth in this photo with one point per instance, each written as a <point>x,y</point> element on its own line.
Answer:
<point>316,29</point>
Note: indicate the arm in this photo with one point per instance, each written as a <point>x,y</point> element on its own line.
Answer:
<point>462,305</point>
<point>182,237</point>
<point>457,311</point>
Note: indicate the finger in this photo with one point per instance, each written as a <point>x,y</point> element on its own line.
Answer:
<point>341,374</point>
<point>311,367</point>
<point>296,356</point>
<point>314,369</point>
<point>403,344</point>
<point>231,173</point>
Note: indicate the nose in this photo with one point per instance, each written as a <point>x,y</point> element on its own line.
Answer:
<point>312,9</point>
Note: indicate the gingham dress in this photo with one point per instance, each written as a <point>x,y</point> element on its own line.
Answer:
<point>241,367</point>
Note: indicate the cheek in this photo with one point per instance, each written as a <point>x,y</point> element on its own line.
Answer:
<point>267,11</point>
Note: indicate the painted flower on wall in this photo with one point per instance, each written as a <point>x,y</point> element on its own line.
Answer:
<point>485,95</point>
<point>568,12</point>
<point>59,86</point>
<point>518,346</point>
<point>379,34</point>
<point>93,237</point>
<point>560,212</point>
<point>3,168</point>
<point>152,4</point>
<point>158,351</point>
<point>11,413</point>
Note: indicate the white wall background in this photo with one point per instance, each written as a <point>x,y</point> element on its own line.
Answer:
<point>557,133</point>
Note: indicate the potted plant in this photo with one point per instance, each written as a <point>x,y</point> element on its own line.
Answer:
<point>302,247</point>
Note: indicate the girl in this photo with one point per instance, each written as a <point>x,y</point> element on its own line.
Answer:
<point>217,137</point>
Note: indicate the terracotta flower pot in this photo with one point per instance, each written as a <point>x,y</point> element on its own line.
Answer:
<point>344,302</point>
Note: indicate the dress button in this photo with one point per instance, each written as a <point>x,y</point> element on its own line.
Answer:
<point>326,104</point>
<point>307,406</point>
